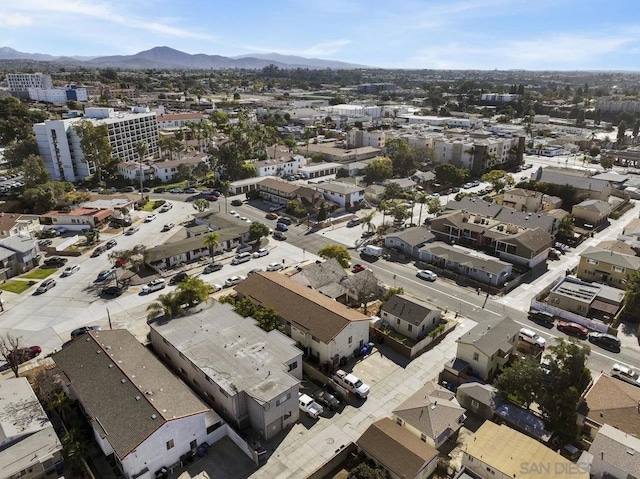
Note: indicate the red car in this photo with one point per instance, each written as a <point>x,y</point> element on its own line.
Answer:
<point>574,329</point>
<point>357,268</point>
<point>22,355</point>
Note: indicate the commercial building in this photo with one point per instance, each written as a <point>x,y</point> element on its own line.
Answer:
<point>19,83</point>
<point>58,95</point>
<point>59,141</point>
<point>359,138</point>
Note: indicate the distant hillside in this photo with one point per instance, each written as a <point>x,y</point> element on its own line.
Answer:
<point>169,58</point>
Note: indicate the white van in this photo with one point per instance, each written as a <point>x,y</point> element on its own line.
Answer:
<point>241,258</point>
<point>532,338</point>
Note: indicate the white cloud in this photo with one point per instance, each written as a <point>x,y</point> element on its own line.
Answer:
<point>14,20</point>
<point>321,49</point>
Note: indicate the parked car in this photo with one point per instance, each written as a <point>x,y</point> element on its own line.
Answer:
<point>282,227</point>
<point>271,216</point>
<point>285,220</point>
<point>106,274</point>
<point>132,230</point>
<point>167,227</point>
<point>427,275</point>
<point>531,337</point>
<point>166,207</point>
<point>358,267</point>
<point>111,244</point>
<point>604,340</point>
<point>76,333</point>
<point>279,235</point>
<point>353,222</point>
<point>46,285</point>
<point>255,270</point>
<point>211,197</point>
<point>155,285</point>
<point>22,355</point>
<point>625,374</point>
<point>275,266</point>
<point>216,287</point>
<point>573,329</point>
<point>236,202</point>
<point>367,234</point>
<point>261,252</point>
<point>191,191</point>
<point>326,399</point>
<point>233,280</point>
<point>212,268</point>
<point>178,278</point>
<point>276,208</point>
<point>43,243</point>
<point>308,406</point>
<point>150,218</point>
<point>541,317</point>
<point>55,261</point>
<point>98,251</point>
<point>112,291</point>
<point>69,270</point>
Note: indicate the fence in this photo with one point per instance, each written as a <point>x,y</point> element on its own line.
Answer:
<point>341,456</point>
<point>242,444</point>
<point>410,352</point>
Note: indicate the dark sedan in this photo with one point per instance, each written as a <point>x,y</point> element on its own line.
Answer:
<point>326,399</point>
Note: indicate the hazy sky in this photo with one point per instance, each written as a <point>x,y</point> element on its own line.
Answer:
<point>457,34</point>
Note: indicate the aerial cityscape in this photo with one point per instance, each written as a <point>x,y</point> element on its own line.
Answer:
<point>326,240</point>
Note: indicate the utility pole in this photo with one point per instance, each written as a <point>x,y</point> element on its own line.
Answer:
<point>109,316</point>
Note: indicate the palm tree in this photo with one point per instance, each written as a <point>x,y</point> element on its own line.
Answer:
<point>77,448</point>
<point>225,190</point>
<point>167,305</point>
<point>211,242</point>
<point>141,149</point>
<point>60,404</point>
<point>367,221</point>
<point>383,206</point>
<point>422,199</point>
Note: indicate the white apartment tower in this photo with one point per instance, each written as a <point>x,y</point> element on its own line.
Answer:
<point>21,82</point>
<point>59,142</point>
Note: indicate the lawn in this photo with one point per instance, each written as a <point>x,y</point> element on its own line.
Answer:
<point>17,286</point>
<point>39,273</point>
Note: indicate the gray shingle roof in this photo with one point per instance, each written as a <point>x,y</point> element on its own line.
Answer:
<point>415,236</point>
<point>101,366</point>
<point>409,309</point>
<point>492,336</point>
<point>617,448</point>
<point>594,205</point>
<point>527,220</point>
<point>318,275</point>
<point>475,205</point>
<point>579,182</point>
<point>466,257</point>
<point>611,257</point>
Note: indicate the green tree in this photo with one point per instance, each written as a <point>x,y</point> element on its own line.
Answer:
<point>365,471</point>
<point>322,213</point>
<point>393,191</point>
<point>338,252</point>
<point>632,295</point>
<point>434,206</point>
<point>399,213</point>
<point>40,199</point>
<point>94,142</point>
<point>211,241</point>
<point>402,156</point>
<point>367,221</point>
<point>192,291</point>
<point>636,128</point>
<point>34,172</point>
<point>594,151</point>
<point>141,150</point>
<point>566,227</point>
<point>168,305</point>
<point>247,170</point>
<point>16,120</point>
<point>606,163</point>
<point>499,179</point>
<point>622,130</point>
<point>200,204</point>
<point>76,449</point>
<point>267,319</point>
<point>258,231</point>
<point>342,173</point>
<point>380,168</point>
<point>16,154</point>
<point>449,174</point>
<point>60,404</point>
<point>521,382</point>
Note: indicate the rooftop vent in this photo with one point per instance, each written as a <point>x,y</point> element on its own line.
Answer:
<point>123,380</point>
<point>138,398</point>
<point>149,392</point>
<point>153,416</point>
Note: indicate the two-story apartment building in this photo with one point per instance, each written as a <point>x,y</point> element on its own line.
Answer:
<point>610,267</point>
<point>130,170</point>
<point>592,212</point>
<point>277,191</point>
<point>250,377</point>
<point>615,454</point>
<point>167,170</point>
<point>18,254</point>
<point>410,316</point>
<point>77,219</point>
<point>282,166</point>
<point>343,194</point>
<point>519,199</point>
<point>13,224</point>
<point>177,120</point>
<point>326,330</point>
<point>592,300</point>
<point>142,416</point>
<point>592,187</point>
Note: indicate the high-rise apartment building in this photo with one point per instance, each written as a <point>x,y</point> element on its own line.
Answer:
<point>59,142</point>
<point>19,83</point>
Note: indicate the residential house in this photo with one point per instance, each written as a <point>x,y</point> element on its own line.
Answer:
<point>326,329</point>
<point>344,195</point>
<point>77,219</point>
<point>478,399</point>
<point>432,414</point>
<point>362,287</point>
<point>607,266</point>
<point>167,170</point>
<point>550,202</point>
<point>617,246</point>
<point>594,188</point>
<point>325,277</point>
<point>277,191</point>
<point>29,446</point>
<point>177,120</point>
<point>499,452</point>
<point>410,240</point>
<point>250,377</point>
<point>614,454</point>
<point>397,451</point>
<point>520,199</point>
<point>592,212</point>
<point>422,177</point>
<point>143,417</point>
<point>374,193</point>
<point>109,202</point>
<point>282,166</point>
<point>13,224</point>
<point>486,348</point>
<point>231,231</point>
<point>405,184</point>
<point>18,254</point>
<point>130,171</point>
<point>610,401</point>
<point>464,261</point>
<point>410,316</point>
<point>592,300</point>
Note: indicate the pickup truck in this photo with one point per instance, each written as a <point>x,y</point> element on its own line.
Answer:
<point>351,383</point>
<point>309,406</point>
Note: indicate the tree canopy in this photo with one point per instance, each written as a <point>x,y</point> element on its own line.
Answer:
<point>16,120</point>
<point>257,231</point>
<point>94,141</point>
<point>380,168</point>
<point>338,252</point>
<point>449,174</point>
<point>34,172</point>
<point>499,179</point>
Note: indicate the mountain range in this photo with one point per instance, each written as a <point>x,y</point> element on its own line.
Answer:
<point>169,58</point>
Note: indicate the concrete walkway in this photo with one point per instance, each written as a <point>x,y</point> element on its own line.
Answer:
<point>306,447</point>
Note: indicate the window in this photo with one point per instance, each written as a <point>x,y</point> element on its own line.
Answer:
<point>293,365</point>
<point>170,444</point>
<point>398,321</point>
<point>618,269</point>
<point>423,438</point>
<point>287,415</point>
<point>592,261</point>
<point>399,421</point>
<point>476,356</point>
<point>475,404</point>
<point>350,339</point>
<point>213,427</point>
<point>410,326</point>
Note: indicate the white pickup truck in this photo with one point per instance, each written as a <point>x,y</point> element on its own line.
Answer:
<point>351,383</point>
<point>309,406</point>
